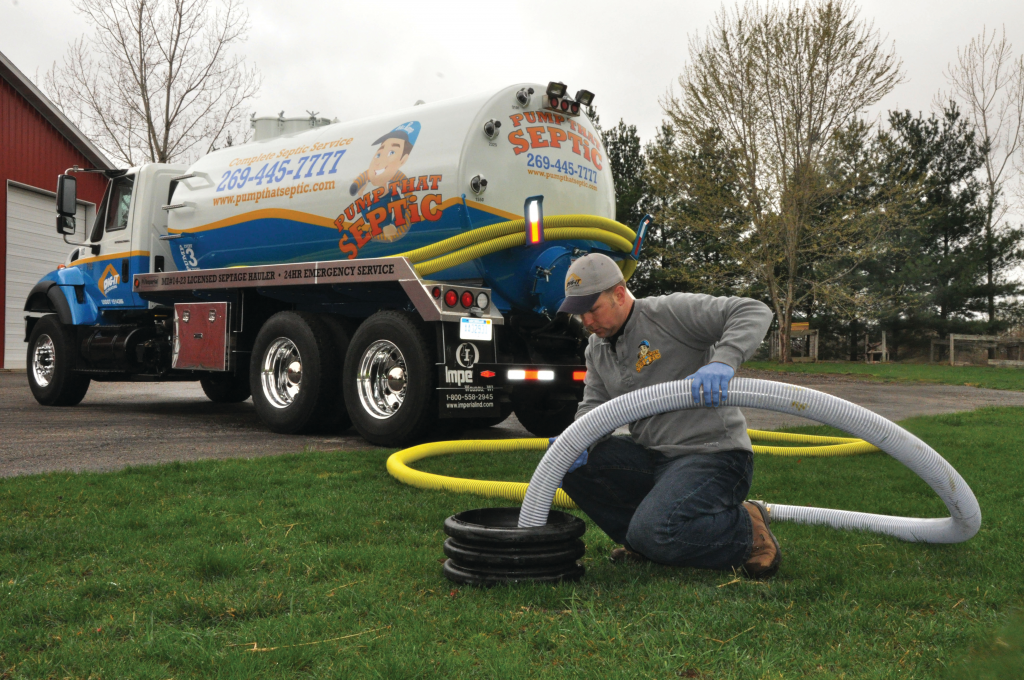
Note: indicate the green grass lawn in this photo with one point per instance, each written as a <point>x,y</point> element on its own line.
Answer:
<point>321,565</point>
<point>974,376</point>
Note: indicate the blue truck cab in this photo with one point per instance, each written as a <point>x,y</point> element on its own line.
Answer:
<point>95,282</point>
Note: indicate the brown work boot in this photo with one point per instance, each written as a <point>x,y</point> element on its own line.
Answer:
<point>766,555</point>
<point>625,555</point>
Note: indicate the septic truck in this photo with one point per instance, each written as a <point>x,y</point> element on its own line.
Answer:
<point>394,273</point>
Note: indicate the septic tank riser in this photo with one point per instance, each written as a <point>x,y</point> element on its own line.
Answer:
<point>486,547</point>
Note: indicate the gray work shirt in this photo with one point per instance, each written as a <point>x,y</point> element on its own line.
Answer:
<point>669,338</point>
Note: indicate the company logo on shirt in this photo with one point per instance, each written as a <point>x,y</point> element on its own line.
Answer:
<point>646,356</point>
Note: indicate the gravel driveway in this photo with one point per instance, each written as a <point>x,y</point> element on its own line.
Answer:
<point>121,424</point>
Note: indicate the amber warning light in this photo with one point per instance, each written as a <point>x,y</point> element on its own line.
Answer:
<point>534,215</point>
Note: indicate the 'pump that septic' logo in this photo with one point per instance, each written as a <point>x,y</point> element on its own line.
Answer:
<point>393,150</point>
<point>646,356</point>
<point>392,202</point>
<point>109,280</point>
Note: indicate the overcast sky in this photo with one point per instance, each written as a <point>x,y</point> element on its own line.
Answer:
<point>355,59</point>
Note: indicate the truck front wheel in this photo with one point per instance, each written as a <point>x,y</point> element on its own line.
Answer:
<point>389,380</point>
<point>227,388</point>
<point>293,374</point>
<point>51,363</point>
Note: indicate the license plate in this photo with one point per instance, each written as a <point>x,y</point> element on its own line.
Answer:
<point>475,329</point>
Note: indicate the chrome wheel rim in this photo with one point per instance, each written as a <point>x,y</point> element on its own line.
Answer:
<point>281,373</point>
<point>43,364</point>
<point>382,380</point>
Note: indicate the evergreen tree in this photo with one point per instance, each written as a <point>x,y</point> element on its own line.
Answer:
<point>591,112</point>
<point>933,273</point>
<point>626,158</point>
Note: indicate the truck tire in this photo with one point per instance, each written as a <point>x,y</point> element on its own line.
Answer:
<point>51,362</point>
<point>544,415</point>
<point>227,388</point>
<point>293,373</point>
<point>341,332</point>
<point>390,379</point>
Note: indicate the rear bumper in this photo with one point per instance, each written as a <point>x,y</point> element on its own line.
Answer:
<point>480,391</point>
<point>530,374</point>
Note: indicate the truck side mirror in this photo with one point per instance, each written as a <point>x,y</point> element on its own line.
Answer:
<point>67,199</point>
<point>65,225</point>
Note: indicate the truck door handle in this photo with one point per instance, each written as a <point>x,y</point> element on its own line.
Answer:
<point>170,237</point>
<point>125,270</point>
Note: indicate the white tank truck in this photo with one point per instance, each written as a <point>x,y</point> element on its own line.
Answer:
<point>385,273</point>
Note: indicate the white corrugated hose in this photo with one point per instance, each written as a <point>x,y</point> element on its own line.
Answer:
<point>965,514</point>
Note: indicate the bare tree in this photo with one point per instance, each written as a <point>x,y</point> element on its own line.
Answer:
<point>157,81</point>
<point>782,83</point>
<point>988,82</point>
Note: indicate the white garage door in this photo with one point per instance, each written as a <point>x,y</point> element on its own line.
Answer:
<point>33,248</point>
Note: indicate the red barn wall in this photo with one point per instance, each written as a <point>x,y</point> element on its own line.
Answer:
<point>34,152</point>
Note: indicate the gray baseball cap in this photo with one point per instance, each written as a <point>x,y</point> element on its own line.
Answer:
<point>587,278</point>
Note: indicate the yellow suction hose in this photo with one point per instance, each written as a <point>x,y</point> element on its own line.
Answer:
<point>398,463</point>
<point>504,235</point>
<point>510,491</point>
<point>516,226</point>
<point>832,446</point>
<point>512,240</point>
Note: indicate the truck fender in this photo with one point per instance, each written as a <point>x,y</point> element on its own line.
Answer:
<point>47,297</point>
<point>64,292</point>
<point>71,276</point>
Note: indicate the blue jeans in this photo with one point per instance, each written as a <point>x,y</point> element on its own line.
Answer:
<point>682,511</point>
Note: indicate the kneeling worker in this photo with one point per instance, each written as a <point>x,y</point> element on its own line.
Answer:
<point>673,491</point>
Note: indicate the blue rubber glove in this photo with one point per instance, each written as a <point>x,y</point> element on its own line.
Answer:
<point>712,378</point>
<point>579,462</point>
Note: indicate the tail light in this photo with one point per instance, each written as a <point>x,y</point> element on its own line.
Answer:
<point>579,376</point>
<point>436,292</point>
<point>451,298</point>
<point>467,299</point>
